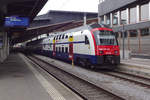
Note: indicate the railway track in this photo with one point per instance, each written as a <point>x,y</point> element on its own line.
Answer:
<point>81,87</point>
<point>139,80</point>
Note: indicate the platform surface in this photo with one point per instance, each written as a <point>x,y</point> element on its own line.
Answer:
<point>19,82</point>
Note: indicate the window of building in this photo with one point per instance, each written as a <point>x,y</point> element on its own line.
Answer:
<point>133,33</point>
<point>115,18</point>
<point>108,19</point>
<point>133,15</point>
<point>123,17</point>
<point>144,12</point>
<point>145,32</point>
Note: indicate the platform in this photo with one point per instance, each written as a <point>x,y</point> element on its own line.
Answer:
<point>137,66</point>
<point>19,81</point>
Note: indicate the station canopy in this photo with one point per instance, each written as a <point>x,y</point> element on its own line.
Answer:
<point>33,32</point>
<point>20,8</point>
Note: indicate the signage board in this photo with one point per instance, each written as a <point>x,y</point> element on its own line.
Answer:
<point>15,21</point>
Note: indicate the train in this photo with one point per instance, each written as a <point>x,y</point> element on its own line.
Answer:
<point>92,46</point>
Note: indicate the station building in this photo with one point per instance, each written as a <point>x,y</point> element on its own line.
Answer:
<point>131,17</point>
<point>57,21</point>
<point>57,17</point>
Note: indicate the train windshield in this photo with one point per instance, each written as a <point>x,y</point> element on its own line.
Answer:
<point>104,37</point>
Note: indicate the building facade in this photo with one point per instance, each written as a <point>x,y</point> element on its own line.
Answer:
<point>131,17</point>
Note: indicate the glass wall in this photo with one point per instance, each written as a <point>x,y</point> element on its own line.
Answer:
<point>123,17</point>
<point>108,19</point>
<point>145,32</point>
<point>115,18</point>
<point>133,15</point>
<point>134,43</point>
<point>144,9</point>
<point>145,41</point>
<point>133,33</point>
<point>102,19</point>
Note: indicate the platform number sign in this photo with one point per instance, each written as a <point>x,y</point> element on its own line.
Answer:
<point>15,21</point>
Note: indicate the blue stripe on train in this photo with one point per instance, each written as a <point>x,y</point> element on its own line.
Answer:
<point>67,42</point>
<point>65,56</point>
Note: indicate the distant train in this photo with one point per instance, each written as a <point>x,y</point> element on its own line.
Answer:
<point>91,46</point>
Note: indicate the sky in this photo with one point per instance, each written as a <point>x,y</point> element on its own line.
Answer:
<point>71,5</point>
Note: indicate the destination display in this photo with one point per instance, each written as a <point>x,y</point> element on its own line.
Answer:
<point>14,21</point>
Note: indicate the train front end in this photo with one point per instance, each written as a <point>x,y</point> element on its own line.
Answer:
<point>106,46</point>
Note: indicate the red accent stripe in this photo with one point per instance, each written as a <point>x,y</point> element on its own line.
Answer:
<point>96,29</point>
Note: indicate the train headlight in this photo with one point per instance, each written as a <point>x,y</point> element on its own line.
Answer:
<point>101,52</point>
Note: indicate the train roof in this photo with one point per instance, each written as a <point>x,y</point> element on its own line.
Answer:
<point>90,26</point>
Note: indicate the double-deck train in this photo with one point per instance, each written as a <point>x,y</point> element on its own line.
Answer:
<point>92,46</point>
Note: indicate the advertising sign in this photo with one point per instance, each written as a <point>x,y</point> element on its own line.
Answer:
<point>15,21</point>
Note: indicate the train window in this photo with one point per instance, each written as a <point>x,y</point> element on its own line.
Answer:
<point>59,37</point>
<point>59,49</point>
<point>63,36</point>
<point>70,36</point>
<point>56,49</point>
<point>56,38</point>
<point>66,37</point>
<point>62,49</point>
<point>86,40</point>
<point>106,38</point>
<point>66,50</point>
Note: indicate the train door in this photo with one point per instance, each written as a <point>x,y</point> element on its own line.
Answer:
<point>71,47</point>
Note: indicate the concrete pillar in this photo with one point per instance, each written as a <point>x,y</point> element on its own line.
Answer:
<point>105,19</point>
<point>139,40</point>
<point>84,18</point>
<point>1,36</point>
<point>5,46</point>
<point>99,19</point>
<point>119,18</point>
<point>8,46</point>
<point>128,32</point>
<point>111,19</point>
<point>119,33</point>
<point>4,51</point>
<point>128,15</point>
<point>149,10</point>
<point>138,13</point>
